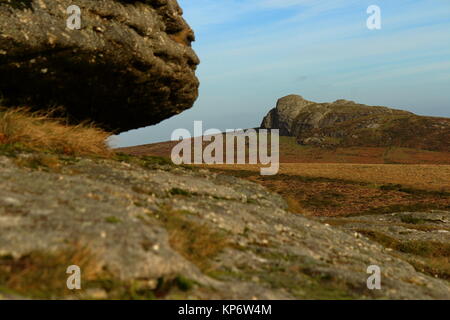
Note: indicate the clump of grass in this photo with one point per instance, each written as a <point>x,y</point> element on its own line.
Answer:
<point>434,256</point>
<point>151,161</point>
<point>39,131</point>
<point>18,4</point>
<point>411,219</point>
<point>436,266</point>
<point>416,247</point>
<point>113,220</point>
<point>184,284</point>
<point>144,161</point>
<point>43,274</point>
<point>179,192</point>
<point>40,161</point>
<point>196,242</point>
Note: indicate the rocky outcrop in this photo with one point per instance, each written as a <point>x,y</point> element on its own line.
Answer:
<point>283,116</point>
<point>130,65</point>
<point>346,123</point>
<point>293,114</point>
<point>148,222</point>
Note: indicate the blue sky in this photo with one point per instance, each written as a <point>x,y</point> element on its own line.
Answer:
<point>255,51</point>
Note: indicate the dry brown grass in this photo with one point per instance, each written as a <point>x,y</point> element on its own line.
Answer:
<point>196,242</point>
<point>426,177</point>
<point>292,152</point>
<point>42,274</point>
<point>434,266</point>
<point>434,256</point>
<point>349,189</point>
<point>38,131</point>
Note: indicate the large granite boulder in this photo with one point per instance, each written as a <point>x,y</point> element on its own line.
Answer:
<point>130,65</point>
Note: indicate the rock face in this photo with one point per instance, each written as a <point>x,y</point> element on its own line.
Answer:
<point>293,114</point>
<point>130,65</point>
<point>346,123</point>
<point>126,212</point>
<point>285,114</point>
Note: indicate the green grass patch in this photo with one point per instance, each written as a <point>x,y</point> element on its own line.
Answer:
<point>148,162</point>
<point>412,220</point>
<point>184,284</point>
<point>113,220</point>
<point>180,192</point>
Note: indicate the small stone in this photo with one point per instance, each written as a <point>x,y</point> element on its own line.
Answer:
<point>11,201</point>
<point>151,284</point>
<point>97,294</point>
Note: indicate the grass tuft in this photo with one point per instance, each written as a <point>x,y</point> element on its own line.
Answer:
<point>43,274</point>
<point>40,132</point>
<point>434,256</point>
<point>193,240</point>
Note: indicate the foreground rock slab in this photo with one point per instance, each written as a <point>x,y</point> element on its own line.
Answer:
<point>151,222</point>
<point>130,65</point>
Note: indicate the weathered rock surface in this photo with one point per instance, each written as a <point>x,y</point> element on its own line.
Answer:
<point>293,114</point>
<point>346,123</point>
<point>130,65</point>
<point>119,208</point>
<point>421,238</point>
<point>405,226</point>
<point>283,117</point>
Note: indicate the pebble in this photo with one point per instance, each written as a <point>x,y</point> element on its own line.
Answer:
<point>11,201</point>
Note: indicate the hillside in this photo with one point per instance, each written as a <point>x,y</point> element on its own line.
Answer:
<point>292,152</point>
